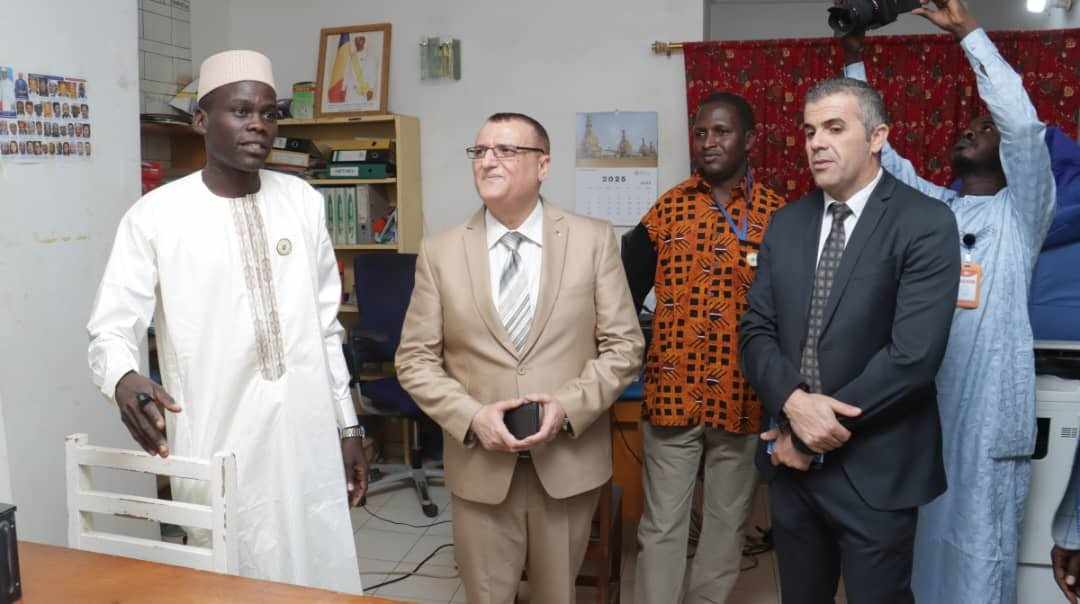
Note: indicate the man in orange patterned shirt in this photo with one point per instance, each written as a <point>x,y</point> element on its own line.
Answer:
<point>698,247</point>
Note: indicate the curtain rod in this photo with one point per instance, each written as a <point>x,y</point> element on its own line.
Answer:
<point>666,48</point>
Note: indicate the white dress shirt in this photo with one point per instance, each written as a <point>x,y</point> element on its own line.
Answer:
<point>856,202</point>
<point>531,251</point>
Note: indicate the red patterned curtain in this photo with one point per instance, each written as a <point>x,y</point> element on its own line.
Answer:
<point>926,81</point>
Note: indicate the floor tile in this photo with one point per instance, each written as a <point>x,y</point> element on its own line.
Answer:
<point>760,578</point>
<point>423,588</point>
<point>426,545</point>
<point>406,498</point>
<point>459,596</point>
<point>359,517</point>
<point>376,502</point>
<point>383,545</point>
<point>373,572</point>
<point>444,530</point>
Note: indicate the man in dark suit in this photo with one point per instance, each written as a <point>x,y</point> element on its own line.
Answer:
<point>847,324</point>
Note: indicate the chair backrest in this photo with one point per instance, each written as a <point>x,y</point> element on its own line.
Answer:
<point>384,284</point>
<point>219,517</point>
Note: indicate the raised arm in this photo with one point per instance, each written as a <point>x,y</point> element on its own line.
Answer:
<point>1025,158</point>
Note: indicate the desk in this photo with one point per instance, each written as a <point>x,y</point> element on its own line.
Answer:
<point>626,470</point>
<point>58,574</point>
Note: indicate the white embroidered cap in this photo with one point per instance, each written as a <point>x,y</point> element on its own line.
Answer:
<point>234,66</point>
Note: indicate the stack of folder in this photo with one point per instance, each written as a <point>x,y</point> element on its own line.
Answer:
<point>352,213</point>
<point>364,158</point>
<point>299,156</point>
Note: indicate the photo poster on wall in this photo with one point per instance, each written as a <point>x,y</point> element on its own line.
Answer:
<point>616,164</point>
<point>43,117</point>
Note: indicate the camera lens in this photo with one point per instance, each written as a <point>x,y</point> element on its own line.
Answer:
<point>841,20</point>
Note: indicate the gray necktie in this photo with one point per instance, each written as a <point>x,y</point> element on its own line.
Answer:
<point>823,282</point>
<point>515,303</point>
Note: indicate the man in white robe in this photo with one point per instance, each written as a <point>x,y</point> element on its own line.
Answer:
<point>235,264</point>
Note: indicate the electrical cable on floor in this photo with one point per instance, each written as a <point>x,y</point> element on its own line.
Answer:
<point>414,571</point>
<point>394,573</point>
<point>417,526</point>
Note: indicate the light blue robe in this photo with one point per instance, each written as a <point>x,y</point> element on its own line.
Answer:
<point>967,539</point>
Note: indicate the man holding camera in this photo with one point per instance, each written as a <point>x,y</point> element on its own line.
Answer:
<point>967,541</point>
<point>523,306</point>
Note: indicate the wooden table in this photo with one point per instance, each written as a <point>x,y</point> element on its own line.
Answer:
<point>626,451</point>
<point>57,574</point>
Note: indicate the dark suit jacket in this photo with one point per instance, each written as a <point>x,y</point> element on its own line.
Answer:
<point>886,326</point>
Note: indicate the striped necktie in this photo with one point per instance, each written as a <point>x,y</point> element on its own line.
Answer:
<point>515,303</point>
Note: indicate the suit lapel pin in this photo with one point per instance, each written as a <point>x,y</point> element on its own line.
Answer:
<point>284,247</point>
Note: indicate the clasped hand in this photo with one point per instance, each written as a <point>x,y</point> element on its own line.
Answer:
<point>490,430</point>
<point>813,419</point>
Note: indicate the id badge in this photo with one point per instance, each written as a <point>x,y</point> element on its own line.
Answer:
<point>970,285</point>
<point>751,259</point>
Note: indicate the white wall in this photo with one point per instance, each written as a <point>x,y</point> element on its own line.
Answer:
<point>209,30</point>
<point>57,222</point>
<point>6,495</point>
<point>765,19</point>
<point>548,59</point>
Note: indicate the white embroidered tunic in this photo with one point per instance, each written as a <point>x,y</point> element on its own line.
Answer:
<point>245,295</point>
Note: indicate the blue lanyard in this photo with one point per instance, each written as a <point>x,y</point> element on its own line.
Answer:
<point>740,230</point>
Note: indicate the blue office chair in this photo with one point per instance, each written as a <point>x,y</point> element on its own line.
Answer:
<point>384,284</point>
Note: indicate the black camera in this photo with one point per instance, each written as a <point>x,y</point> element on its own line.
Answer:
<point>861,15</point>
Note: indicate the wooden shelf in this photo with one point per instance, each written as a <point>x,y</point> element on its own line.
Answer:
<point>325,182</point>
<point>388,247</point>
<point>387,117</point>
<point>168,129</point>
<point>403,191</point>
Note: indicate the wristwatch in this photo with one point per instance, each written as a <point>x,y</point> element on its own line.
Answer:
<point>353,432</point>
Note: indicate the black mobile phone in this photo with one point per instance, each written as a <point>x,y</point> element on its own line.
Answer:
<point>524,421</point>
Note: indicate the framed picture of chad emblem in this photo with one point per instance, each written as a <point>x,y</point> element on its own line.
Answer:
<point>354,70</point>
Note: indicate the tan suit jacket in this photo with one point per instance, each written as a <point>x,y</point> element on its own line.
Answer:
<point>584,347</point>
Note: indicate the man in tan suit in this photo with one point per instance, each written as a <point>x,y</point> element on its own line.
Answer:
<point>524,302</point>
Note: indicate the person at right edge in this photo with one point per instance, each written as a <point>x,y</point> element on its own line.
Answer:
<point>847,324</point>
<point>967,542</point>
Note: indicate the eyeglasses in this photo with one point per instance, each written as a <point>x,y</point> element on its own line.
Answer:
<point>500,151</point>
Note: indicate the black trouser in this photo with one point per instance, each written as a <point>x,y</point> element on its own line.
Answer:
<point>822,527</point>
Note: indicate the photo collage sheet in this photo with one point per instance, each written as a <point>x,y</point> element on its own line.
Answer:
<point>43,117</point>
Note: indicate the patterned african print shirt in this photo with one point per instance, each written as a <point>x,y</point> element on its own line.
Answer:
<point>706,261</point>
